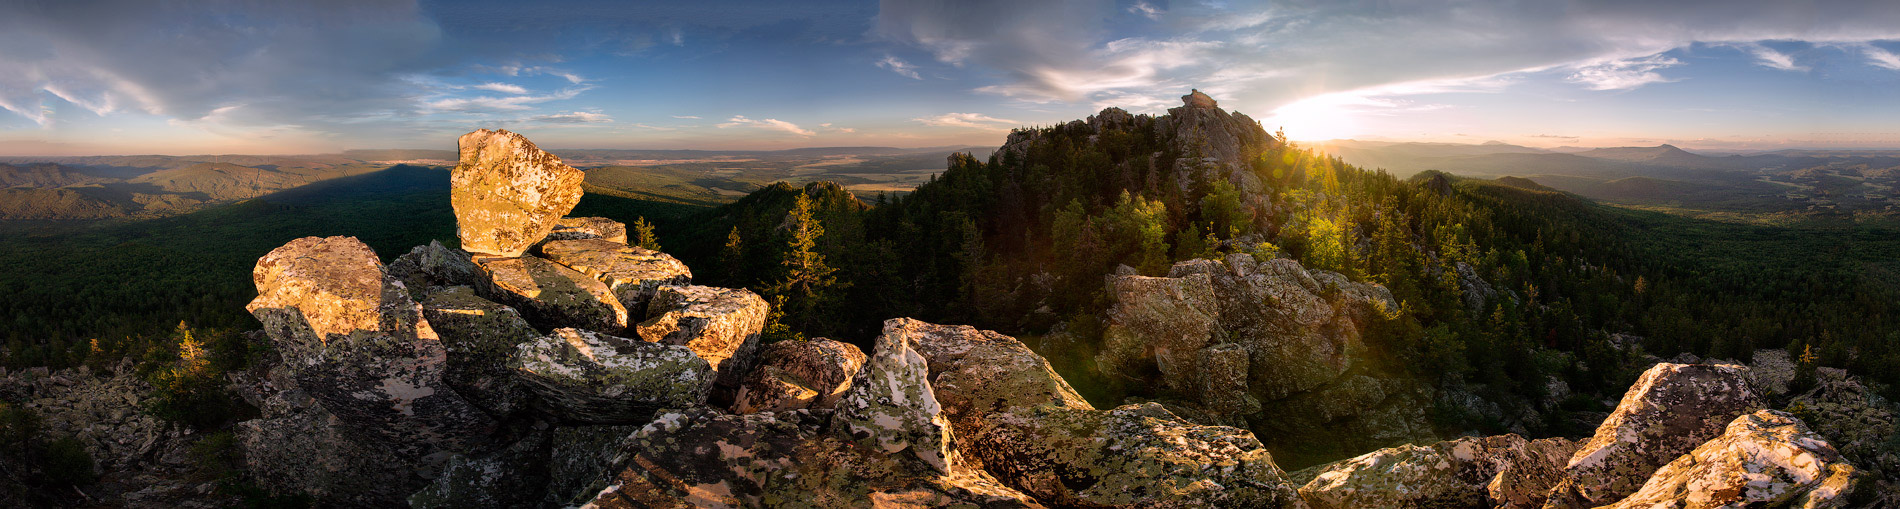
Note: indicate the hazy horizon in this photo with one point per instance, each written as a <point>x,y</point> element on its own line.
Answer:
<point>244,78</point>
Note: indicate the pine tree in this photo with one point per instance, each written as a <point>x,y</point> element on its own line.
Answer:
<point>732,258</point>
<point>643,234</point>
<point>806,274</point>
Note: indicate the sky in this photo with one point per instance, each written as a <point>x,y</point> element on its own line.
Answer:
<point>163,77</point>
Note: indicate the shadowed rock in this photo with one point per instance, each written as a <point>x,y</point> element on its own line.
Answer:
<point>550,295</point>
<point>799,374</point>
<point>1764,459</point>
<point>1670,410</point>
<point>434,265</point>
<point>588,377</point>
<point>633,273</point>
<point>480,336</point>
<point>507,193</point>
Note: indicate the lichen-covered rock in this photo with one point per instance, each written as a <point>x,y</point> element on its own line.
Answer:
<point>702,458</point>
<point>587,377</point>
<point>722,325</point>
<point>1497,471</point>
<point>581,461</point>
<point>550,295</point>
<point>434,265</point>
<point>480,336</point>
<point>1764,459</point>
<point>308,453</point>
<point>890,406</point>
<point>1132,456</point>
<point>633,273</point>
<point>1670,410</point>
<point>570,228</point>
<point>507,193</point>
<point>1852,417</point>
<point>799,374</point>
<point>1159,324</point>
<point>976,372</point>
<point>354,339</point>
<point>510,477</point>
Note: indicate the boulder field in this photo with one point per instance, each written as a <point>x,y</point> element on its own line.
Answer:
<point>546,363</point>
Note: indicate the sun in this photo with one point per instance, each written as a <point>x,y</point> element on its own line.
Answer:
<point>1317,118</point>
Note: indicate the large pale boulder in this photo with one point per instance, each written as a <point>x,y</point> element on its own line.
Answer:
<point>1498,471</point>
<point>1132,456</point>
<point>480,336</point>
<point>975,373</point>
<point>799,374</point>
<point>702,458</point>
<point>1763,459</point>
<point>355,340</point>
<point>890,406</point>
<point>507,193</point>
<point>1670,410</point>
<point>634,274</point>
<point>587,377</point>
<point>722,325</point>
<point>550,295</point>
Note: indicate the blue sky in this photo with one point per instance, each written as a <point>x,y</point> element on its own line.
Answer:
<point>276,77</point>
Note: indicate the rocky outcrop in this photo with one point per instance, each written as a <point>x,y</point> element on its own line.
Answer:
<point>976,373</point>
<point>572,228</point>
<point>351,336</point>
<point>581,460</point>
<point>1763,459</point>
<point>721,325</point>
<point>297,448</point>
<point>587,377</point>
<point>1498,471</point>
<point>507,193</point>
<point>510,477</point>
<point>1262,344</point>
<point>798,374</point>
<point>434,265</point>
<point>552,295</point>
<point>891,408</point>
<point>633,273</point>
<point>1851,416</point>
<point>480,336</point>
<point>1670,410</point>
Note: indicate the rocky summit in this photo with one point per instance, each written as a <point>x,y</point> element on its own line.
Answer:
<point>545,363</point>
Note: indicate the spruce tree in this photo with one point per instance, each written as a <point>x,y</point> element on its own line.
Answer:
<point>806,274</point>
<point>643,234</point>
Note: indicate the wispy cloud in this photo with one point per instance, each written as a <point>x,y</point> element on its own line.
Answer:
<point>573,117</point>
<point>692,117</point>
<point>900,67</point>
<point>1146,10</point>
<point>502,87</point>
<point>508,103</point>
<point>1770,57</point>
<point>769,124</point>
<point>1880,57</point>
<point>1623,74</point>
<point>969,120</point>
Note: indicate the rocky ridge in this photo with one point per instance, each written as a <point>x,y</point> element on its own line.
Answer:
<point>503,407</point>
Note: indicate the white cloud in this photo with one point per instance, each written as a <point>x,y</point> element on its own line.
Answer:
<point>1146,10</point>
<point>1770,57</point>
<point>770,123</point>
<point>502,87</point>
<point>1623,74</point>
<point>900,67</point>
<point>969,120</point>
<point>693,117</point>
<point>573,117</point>
<point>1880,57</point>
<point>509,103</point>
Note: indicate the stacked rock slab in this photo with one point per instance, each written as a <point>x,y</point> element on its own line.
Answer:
<point>798,374</point>
<point>434,265</point>
<point>1670,410</point>
<point>551,294</point>
<point>721,325</point>
<point>1497,471</point>
<point>574,228</point>
<point>480,336</point>
<point>507,193</point>
<point>634,274</point>
<point>357,342</point>
<point>1763,459</point>
<point>586,377</point>
<point>1023,423</point>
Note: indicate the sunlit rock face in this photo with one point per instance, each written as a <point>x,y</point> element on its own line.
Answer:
<point>799,374</point>
<point>508,194</point>
<point>1672,409</point>
<point>634,274</point>
<point>575,228</point>
<point>721,325</point>
<point>890,406</point>
<point>587,377</point>
<point>1763,459</point>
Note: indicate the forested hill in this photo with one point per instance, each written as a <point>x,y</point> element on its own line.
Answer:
<point>1503,284</point>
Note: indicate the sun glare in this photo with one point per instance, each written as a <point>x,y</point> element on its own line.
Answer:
<point>1323,117</point>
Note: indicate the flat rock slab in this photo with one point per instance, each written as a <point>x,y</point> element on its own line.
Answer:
<point>722,325</point>
<point>587,377</point>
<point>550,295</point>
<point>481,336</point>
<point>507,193</point>
<point>572,228</point>
<point>634,274</point>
